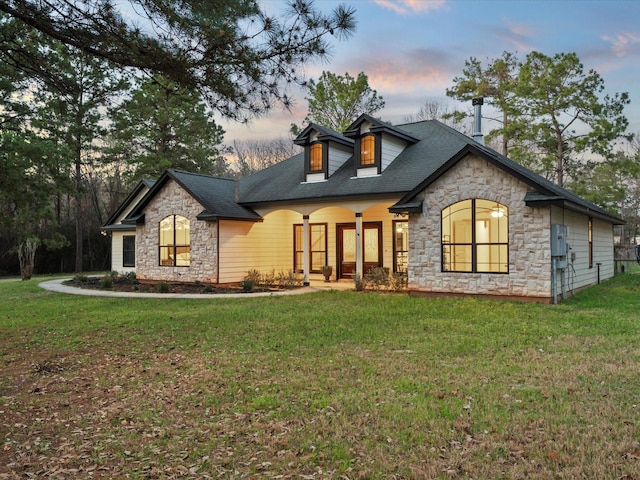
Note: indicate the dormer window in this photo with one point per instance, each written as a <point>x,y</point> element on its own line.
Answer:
<point>325,151</point>
<point>377,144</point>
<point>368,150</point>
<point>315,157</point>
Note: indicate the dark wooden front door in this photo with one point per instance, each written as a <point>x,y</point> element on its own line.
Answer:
<point>371,247</point>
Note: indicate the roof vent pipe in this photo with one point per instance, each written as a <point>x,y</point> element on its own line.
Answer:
<point>477,119</point>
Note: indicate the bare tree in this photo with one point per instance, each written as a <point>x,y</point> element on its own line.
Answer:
<point>437,109</point>
<point>254,155</point>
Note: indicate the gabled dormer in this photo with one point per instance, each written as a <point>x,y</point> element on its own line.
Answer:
<point>325,151</point>
<point>376,144</point>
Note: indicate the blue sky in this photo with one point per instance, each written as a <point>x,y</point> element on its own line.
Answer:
<point>412,49</point>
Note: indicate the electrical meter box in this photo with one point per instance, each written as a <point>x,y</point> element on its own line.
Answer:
<point>558,240</point>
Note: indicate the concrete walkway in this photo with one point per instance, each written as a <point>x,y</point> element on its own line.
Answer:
<point>316,286</point>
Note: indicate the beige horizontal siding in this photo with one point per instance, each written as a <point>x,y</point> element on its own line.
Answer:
<point>116,253</point>
<point>268,246</point>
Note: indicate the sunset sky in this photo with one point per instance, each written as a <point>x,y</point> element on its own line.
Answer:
<point>412,49</point>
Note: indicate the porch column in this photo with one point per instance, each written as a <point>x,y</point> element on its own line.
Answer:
<point>359,269</point>
<point>305,250</point>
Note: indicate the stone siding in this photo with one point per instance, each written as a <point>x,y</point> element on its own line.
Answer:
<point>173,200</point>
<point>529,234</point>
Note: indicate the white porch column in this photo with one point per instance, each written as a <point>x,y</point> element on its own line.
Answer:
<point>359,263</point>
<point>305,249</point>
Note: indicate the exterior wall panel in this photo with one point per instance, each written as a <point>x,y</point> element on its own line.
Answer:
<point>116,252</point>
<point>266,246</point>
<point>173,200</point>
<point>391,148</point>
<point>529,234</point>
<point>578,273</point>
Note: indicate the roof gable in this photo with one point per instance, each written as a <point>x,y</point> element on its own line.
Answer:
<point>115,220</point>
<point>322,134</point>
<point>546,192</point>
<point>216,195</point>
<point>378,126</point>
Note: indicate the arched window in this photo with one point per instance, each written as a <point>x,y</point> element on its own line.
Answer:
<point>315,157</point>
<point>475,237</point>
<point>175,241</point>
<point>368,150</point>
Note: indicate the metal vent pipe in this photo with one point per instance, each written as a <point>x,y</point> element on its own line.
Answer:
<point>477,119</point>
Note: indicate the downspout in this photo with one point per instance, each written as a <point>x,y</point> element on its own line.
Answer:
<point>477,119</point>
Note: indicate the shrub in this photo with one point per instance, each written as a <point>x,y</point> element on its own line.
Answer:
<point>378,278</point>
<point>131,277</point>
<point>107,282</point>
<point>269,279</point>
<point>399,281</point>
<point>359,282</point>
<point>254,275</point>
<point>163,287</point>
<point>247,285</point>
<point>288,279</point>
<point>81,278</point>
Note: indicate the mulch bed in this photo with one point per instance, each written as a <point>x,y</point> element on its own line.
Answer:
<point>124,284</point>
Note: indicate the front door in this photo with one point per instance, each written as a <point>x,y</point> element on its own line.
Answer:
<point>371,248</point>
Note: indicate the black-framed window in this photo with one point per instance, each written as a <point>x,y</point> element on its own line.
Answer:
<point>129,251</point>
<point>400,246</point>
<point>368,151</point>
<point>175,241</point>
<point>317,247</point>
<point>315,157</point>
<point>475,237</point>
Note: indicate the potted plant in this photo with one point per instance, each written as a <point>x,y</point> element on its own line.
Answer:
<point>327,270</point>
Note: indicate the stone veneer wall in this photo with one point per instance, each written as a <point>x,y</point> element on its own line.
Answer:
<point>173,200</point>
<point>529,235</point>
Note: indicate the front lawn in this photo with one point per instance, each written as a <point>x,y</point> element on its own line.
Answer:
<point>325,385</point>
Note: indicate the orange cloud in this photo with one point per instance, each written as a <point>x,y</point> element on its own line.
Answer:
<point>405,7</point>
<point>394,79</point>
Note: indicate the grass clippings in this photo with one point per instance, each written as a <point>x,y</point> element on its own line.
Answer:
<point>325,385</point>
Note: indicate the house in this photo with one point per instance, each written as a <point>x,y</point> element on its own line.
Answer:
<point>420,198</point>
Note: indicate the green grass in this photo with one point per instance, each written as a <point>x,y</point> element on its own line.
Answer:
<point>325,385</point>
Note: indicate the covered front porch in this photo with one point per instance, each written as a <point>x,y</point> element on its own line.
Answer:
<point>350,238</point>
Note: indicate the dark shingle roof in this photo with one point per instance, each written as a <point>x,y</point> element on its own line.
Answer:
<point>284,182</point>
<point>546,192</point>
<point>216,195</point>
<point>439,147</point>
